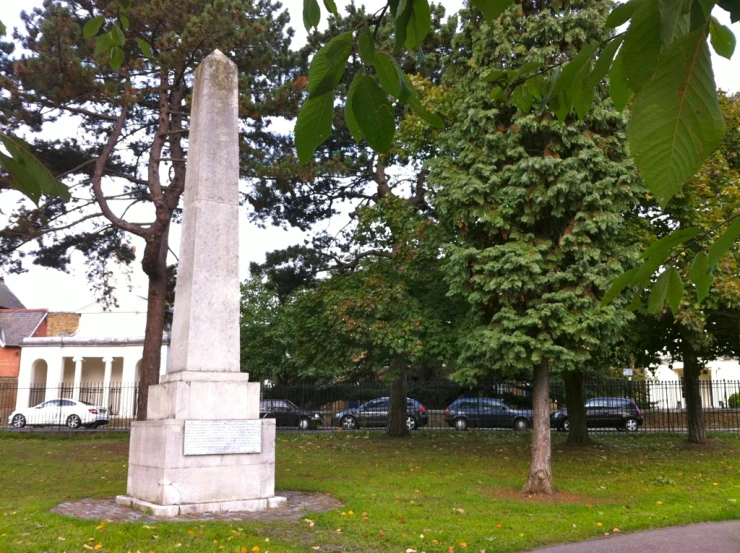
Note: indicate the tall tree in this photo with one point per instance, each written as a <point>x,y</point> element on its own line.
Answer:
<point>688,329</point>
<point>538,206</point>
<point>385,193</point>
<point>127,162</point>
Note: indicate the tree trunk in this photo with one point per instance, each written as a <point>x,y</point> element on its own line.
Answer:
<point>155,266</point>
<point>540,469</point>
<point>397,412</point>
<point>574,401</point>
<point>694,413</point>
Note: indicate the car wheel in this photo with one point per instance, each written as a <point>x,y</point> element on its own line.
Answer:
<point>73,421</point>
<point>565,425</point>
<point>520,425</point>
<point>304,424</point>
<point>461,424</point>
<point>348,423</point>
<point>19,421</point>
<point>631,425</point>
<point>410,423</point>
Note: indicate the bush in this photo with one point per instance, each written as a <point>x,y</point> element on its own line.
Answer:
<point>734,401</point>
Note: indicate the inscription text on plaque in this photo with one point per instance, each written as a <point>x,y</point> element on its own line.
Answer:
<point>222,437</point>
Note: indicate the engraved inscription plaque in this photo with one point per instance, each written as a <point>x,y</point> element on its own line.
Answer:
<point>222,437</point>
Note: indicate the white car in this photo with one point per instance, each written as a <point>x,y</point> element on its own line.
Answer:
<point>57,412</point>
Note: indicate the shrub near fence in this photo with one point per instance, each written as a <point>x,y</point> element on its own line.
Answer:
<point>662,403</point>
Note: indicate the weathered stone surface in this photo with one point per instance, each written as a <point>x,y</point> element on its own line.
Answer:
<point>233,398</point>
<point>205,327</point>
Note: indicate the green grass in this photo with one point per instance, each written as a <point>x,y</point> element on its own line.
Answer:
<point>450,488</point>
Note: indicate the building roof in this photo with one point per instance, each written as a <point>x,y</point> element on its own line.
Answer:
<point>16,324</point>
<point>8,299</point>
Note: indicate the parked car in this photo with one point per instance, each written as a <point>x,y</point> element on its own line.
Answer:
<point>486,413</point>
<point>57,412</point>
<point>604,412</point>
<point>375,413</point>
<point>287,413</point>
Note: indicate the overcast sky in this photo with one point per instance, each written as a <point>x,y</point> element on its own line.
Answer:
<point>68,292</point>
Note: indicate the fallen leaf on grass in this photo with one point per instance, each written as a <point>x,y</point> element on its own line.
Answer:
<point>616,531</point>
<point>98,546</point>
<point>60,538</point>
<point>316,547</point>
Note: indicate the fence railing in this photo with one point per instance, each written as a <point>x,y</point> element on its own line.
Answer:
<point>656,406</point>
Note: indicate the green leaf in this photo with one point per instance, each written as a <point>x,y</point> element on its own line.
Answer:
<point>496,75</point>
<point>604,63</point>
<point>731,6</point>
<point>403,17</point>
<point>27,173</point>
<point>408,94</point>
<point>661,247</point>
<point>676,120</point>
<point>92,27</point>
<point>102,44</point>
<point>3,30</point>
<point>522,99</point>
<point>125,5</point>
<point>571,86</point>
<point>722,39</point>
<point>374,114</point>
<point>367,45</point>
<point>389,74</point>
<point>674,290</point>
<point>657,296</point>
<point>622,13</point>
<point>674,20</point>
<point>497,94</point>
<point>722,245</point>
<point>124,22</point>
<point>328,65</point>
<point>146,50</point>
<point>620,283</point>
<point>700,275</point>
<point>491,9</point>
<point>116,58</point>
<point>116,34</point>
<point>311,14</point>
<point>619,90</point>
<point>419,23</point>
<point>313,125</point>
<point>700,14</point>
<point>641,46</point>
<point>636,302</point>
<point>331,7</point>
<point>349,113</point>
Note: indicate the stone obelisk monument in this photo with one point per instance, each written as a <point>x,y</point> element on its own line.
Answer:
<point>204,447</point>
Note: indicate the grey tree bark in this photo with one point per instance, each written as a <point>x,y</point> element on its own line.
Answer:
<point>540,469</point>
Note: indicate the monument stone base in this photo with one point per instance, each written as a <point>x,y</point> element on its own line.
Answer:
<point>167,478</point>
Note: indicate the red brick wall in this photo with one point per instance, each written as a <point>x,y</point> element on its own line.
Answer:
<point>10,362</point>
<point>41,330</point>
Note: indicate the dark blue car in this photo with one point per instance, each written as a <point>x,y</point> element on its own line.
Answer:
<point>375,413</point>
<point>486,413</point>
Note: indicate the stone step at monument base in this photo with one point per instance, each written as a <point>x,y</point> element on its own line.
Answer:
<point>204,395</point>
<point>195,508</point>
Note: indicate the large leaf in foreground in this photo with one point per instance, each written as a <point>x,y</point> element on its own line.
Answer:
<point>676,119</point>
<point>313,125</point>
<point>27,174</point>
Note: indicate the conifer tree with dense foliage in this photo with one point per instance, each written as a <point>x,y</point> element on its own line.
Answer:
<point>128,92</point>
<point>538,206</point>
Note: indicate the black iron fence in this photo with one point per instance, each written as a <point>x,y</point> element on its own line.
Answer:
<point>654,406</point>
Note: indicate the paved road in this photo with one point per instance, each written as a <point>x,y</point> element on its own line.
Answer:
<point>712,537</point>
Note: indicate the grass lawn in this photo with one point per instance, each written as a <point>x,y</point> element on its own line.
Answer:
<point>433,492</point>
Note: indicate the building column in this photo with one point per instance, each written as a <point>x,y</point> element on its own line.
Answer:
<point>54,372</point>
<point>128,381</point>
<point>78,377</point>
<point>106,381</point>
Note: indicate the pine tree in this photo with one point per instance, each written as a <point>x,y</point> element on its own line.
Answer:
<point>131,144</point>
<point>538,205</point>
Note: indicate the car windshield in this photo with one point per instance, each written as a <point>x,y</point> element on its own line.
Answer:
<point>291,405</point>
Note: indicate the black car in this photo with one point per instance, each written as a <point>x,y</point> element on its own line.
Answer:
<point>287,413</point>
<point>375,413</point>
<point>486,413</point>
<point>604,412</point>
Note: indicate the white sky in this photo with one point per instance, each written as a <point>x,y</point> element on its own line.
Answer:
<point>59,291</point>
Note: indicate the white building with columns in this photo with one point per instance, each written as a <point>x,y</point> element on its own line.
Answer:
<point>719,379</point>
<point>98,363</point>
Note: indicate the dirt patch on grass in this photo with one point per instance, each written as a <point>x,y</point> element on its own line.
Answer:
<point>557,498</point>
